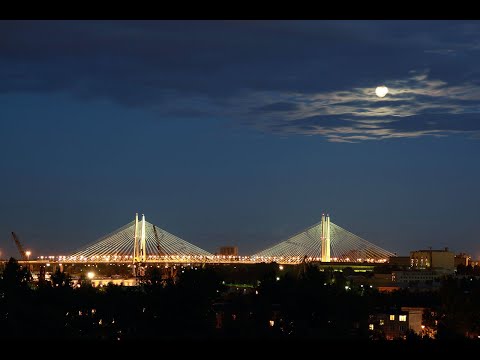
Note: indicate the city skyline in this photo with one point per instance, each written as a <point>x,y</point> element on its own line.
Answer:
<point>240,132</point>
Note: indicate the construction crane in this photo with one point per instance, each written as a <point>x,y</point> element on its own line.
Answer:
<point>19,246</point>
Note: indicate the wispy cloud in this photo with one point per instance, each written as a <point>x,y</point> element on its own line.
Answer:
<point>415,106</point>
<point>441,51</point>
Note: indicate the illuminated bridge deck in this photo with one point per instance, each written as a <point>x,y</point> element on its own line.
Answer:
<point>198,260</point>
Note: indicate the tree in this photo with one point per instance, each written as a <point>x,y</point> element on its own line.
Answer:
<point>153,276</point>
<point>476,270</point>
<point>469,269</point>
<point>61,279</point>
<point>15,276</point>
<point>83,281</point>
<point>348,271</point>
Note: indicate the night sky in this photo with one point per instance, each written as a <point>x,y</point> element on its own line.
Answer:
<point>240,132</point>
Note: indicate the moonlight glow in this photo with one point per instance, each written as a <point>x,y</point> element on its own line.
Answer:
<point>381,91</point>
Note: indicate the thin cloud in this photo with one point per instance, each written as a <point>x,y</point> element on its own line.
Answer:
<point>441,51</point>
<point>415,106</point>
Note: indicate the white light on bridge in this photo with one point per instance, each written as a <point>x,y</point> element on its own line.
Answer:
<point>90,275</point>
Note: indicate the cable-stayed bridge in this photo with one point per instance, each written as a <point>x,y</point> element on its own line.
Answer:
<point>139,241</point>
<point>142,242</point>
<point>326,242</point>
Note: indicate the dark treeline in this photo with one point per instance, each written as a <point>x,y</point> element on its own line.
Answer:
<point>256,301</point>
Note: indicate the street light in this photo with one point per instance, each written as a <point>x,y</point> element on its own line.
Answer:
<point>28,253</point>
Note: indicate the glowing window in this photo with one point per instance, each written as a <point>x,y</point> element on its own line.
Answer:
<point>382,322</point>
<point>370,327</point>
<point>392,317</point>
<point>402,318</point>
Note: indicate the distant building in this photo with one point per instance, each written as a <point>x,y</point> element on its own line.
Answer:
<point>229,250</point>
<point>378,280</point>
<point>395,324</point>
<point>432,260</point>
<point>399,261</point>
<point>381,282</point>
<point>388,289</point>
<point>392,324</point>
<point>420,276</point>
<point>415,318</point>
<point>462,259</point>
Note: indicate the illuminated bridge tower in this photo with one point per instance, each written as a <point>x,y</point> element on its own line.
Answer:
<point>325,238</point>
<point>139,243</point>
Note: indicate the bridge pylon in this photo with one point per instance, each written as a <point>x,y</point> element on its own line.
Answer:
<point>325,238</point>
<point>139,242</point>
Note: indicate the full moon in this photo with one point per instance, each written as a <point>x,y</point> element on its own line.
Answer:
<point>381,91</point>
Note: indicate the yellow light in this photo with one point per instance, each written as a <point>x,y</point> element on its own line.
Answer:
<point>90,275</point>
<point>28,253</point>
<point>281,267</point>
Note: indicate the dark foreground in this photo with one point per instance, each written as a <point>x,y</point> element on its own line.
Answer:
<point>240,309</point>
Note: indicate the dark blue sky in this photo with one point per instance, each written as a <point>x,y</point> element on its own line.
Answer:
<point>240,132</point>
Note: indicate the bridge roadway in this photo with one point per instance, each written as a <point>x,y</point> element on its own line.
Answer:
<point>338,265</point>
<point>198,260</point>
